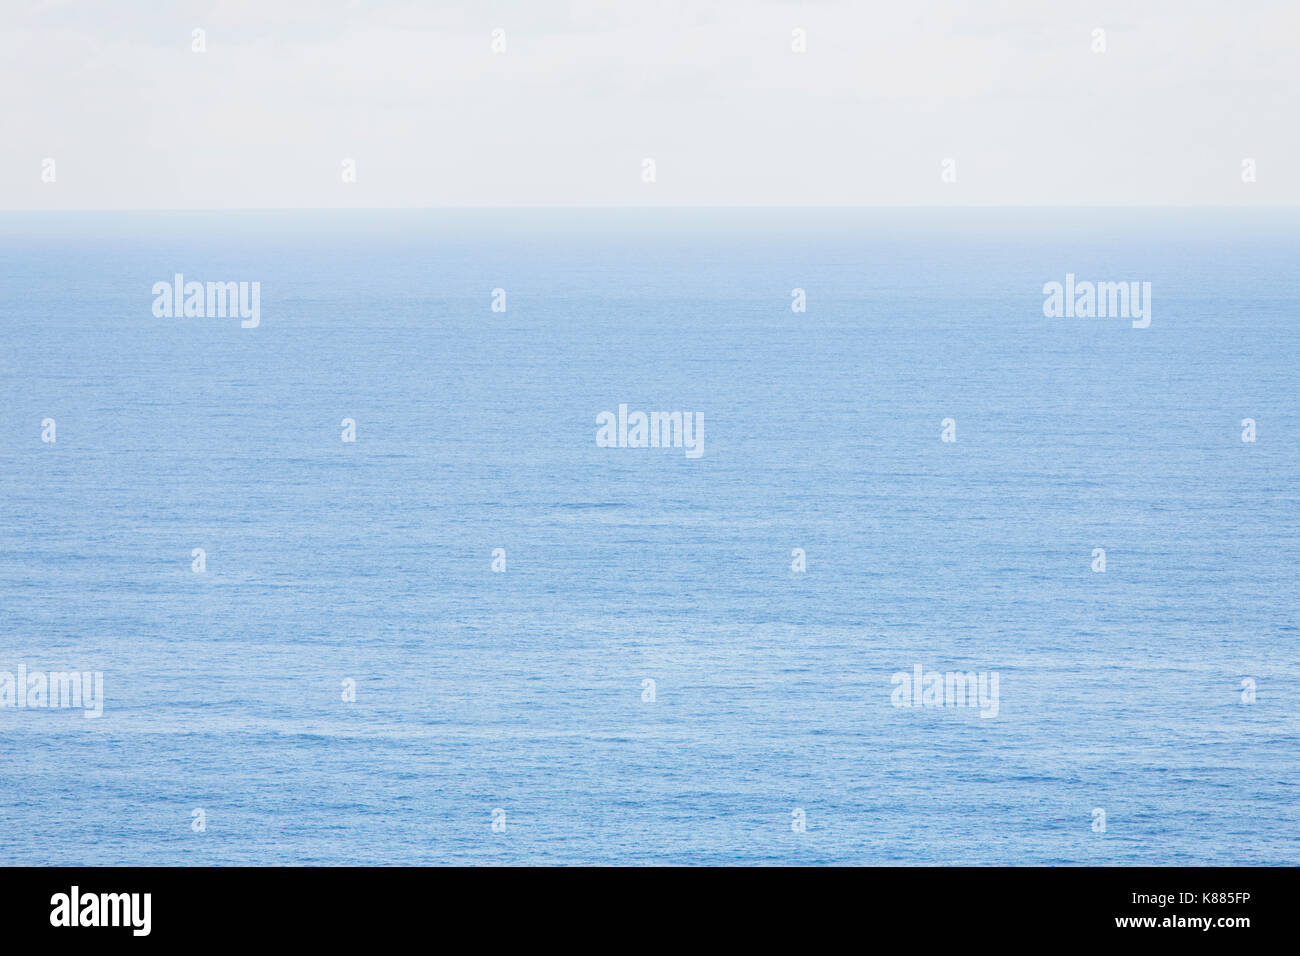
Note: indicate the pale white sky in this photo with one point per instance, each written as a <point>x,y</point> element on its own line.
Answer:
<point>712,91</point>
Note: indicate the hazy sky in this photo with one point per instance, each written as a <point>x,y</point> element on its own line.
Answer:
<point>712,91</point>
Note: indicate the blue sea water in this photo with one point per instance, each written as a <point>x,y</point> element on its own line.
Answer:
<point>522,691</point>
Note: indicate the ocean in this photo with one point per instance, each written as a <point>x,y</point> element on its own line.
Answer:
<point>347,680</point>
